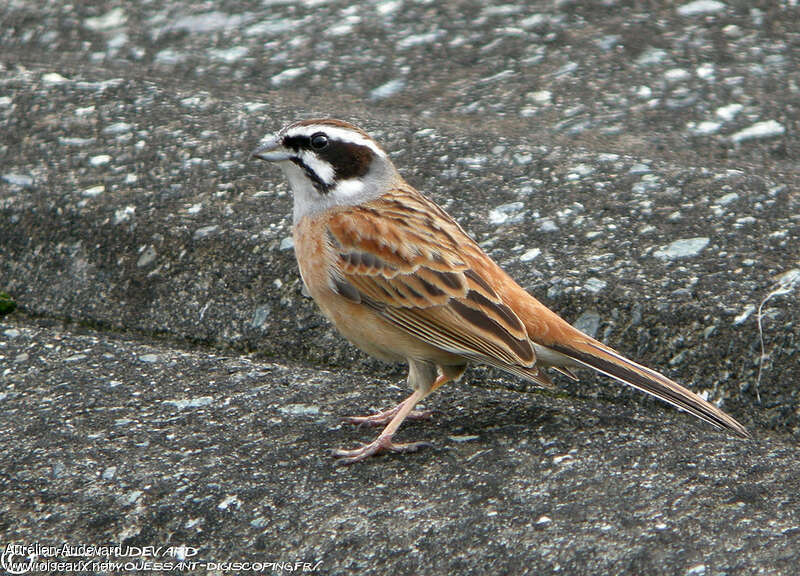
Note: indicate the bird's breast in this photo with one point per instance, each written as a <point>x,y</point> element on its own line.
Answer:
<point>355,321</point>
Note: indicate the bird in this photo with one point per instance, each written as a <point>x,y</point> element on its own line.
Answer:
<point>400,278</point>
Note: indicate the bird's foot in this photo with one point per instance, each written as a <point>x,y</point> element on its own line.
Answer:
<point>380,444</point>
<point>385,416</point>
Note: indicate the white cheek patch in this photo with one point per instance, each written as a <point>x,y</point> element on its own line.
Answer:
<point>348,188</point>
<point>319,167</point>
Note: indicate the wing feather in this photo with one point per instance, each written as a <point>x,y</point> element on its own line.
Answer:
<point>412,268</point>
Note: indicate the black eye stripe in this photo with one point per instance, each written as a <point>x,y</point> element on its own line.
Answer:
<point>347,159</point>
<point>297,143</point>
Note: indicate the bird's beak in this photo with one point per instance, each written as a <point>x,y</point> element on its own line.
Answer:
<point>270,149</point>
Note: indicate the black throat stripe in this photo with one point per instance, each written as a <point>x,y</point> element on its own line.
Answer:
<point>318,183</point>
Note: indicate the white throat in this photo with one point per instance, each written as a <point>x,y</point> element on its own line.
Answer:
<point>308,200</point>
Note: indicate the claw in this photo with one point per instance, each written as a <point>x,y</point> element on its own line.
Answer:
<point>380,444</point>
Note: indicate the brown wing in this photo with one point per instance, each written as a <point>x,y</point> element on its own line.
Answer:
<point>403,256</point>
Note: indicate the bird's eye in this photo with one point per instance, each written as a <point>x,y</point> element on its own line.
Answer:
<point>319,141</point>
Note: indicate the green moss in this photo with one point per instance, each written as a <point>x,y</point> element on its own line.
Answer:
<point>7,304</point>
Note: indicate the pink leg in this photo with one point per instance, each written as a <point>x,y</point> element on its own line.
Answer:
<point>384,416</point>
<point>383,442</point>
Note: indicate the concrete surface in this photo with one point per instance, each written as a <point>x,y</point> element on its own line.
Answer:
<point>165,383</point>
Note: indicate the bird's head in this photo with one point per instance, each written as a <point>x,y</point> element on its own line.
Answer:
<point>328,162</point>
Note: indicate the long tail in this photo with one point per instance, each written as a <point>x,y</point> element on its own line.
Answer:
<point>548,330</point>
<point>588,352</point>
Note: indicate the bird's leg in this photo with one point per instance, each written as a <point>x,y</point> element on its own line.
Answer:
<point>382,417</point>
<point>383,443</point>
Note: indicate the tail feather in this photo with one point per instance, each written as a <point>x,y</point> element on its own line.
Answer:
<point>595,355</point>
<point>566,372</point>
<point>533,373</point>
